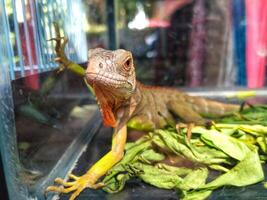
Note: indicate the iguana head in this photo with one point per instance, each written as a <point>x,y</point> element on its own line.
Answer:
<point>112,70</point>
<point>112,76</point>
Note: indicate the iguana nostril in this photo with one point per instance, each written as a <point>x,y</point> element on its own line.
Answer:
<point>100,65</point>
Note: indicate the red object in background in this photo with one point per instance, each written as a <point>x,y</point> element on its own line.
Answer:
<point>256,49</point>
<point>158,23</point>
<point>29,58</point>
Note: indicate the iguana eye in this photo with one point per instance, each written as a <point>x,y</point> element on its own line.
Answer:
<point>127,64</point>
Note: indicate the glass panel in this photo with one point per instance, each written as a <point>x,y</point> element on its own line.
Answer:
<point>51,107</point>
<point>193,44</point>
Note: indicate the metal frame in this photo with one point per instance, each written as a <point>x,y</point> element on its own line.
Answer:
<point>8,140</point>
<point>3,188</point>
<point>111,24</point>
<point>43,13</point>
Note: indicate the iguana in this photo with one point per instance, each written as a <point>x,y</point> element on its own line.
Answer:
<point>124,102</point>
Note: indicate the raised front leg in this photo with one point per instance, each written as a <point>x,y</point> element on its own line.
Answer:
<point>100,168</point>
<point>61,58</point>
<point>185,112</point>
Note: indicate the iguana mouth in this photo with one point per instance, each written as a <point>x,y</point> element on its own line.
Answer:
<point>106,79</point>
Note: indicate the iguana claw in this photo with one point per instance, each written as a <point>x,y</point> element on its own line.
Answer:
<point>61,42</point>
<point>76,186</point>
<point>61,58</point>
<point>188,126</point>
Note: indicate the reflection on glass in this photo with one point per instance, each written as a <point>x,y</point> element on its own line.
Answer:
<point>51,107</point>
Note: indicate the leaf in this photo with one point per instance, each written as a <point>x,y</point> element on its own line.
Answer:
<point>195,179</point>
<point>201,154</point>
<point>246,172</point>
<point>134,151</point>
<point>158,177</point>
<point>262,143</point>
<point>113,184</point>
<point>180,171</point>
<point>229,145</point>
<point>212,147</point>
<point>171,141</point>
<point>150,156</point>
<point>116,184</point>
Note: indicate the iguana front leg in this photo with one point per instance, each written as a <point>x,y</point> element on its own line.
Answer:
<point>62,59</point>
<point>100,168</point>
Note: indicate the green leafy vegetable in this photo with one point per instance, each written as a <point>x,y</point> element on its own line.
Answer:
<point>233,149</point>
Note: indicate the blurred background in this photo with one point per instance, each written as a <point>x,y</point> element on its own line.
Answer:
<point>174,42</point>
<point>196,44</point>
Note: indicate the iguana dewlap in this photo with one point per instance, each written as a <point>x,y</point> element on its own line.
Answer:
<point>123,99</point>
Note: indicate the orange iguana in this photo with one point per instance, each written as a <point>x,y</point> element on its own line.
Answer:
<point>125,102</point>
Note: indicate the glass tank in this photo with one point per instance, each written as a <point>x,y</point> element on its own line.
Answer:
<point>50,120</point>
